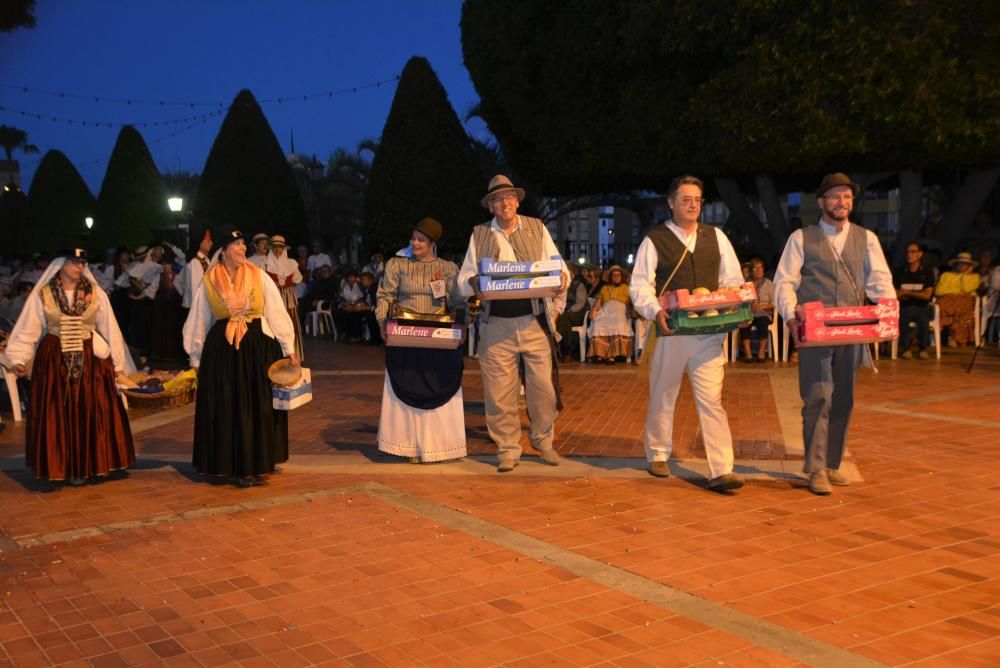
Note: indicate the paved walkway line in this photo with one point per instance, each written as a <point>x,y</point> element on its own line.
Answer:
<point>32,540</point>
<point>888,408</point>
<point>752,629</point>
<point>788,403</point>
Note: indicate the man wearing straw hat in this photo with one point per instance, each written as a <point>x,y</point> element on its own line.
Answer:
<point>684,254</point>
<point>837,263</point>
<point>515,329</point>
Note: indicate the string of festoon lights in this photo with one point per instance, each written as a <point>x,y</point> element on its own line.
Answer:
<point>187,122</point>
<point>222,107</point>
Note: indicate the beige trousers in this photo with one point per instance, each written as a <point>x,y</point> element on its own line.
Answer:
<point>701,357</point>
<point>502,341</point>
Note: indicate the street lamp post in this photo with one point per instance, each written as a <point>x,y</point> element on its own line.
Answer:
<point>176,205</point>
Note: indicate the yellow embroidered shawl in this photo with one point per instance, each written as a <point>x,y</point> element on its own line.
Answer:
<point>240,299</point>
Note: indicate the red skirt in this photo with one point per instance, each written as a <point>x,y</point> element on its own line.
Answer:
<point>76,429</point>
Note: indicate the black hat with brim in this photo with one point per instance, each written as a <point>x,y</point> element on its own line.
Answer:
<point>225,235</point>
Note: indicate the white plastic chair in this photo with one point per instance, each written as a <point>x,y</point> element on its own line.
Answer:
<point>581,332</point>
<point>772,339</point>
<point>15,399</point>
<point>320,321</point>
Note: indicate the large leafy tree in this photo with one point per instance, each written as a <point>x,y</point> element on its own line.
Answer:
<point>58,204</point>
<point>424,167</point>
<point>247,181</point>
<point>614,96</point>
<point>16,14</point>
<point>133,199</point>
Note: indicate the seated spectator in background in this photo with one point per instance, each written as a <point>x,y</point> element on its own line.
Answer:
<point>31,271</point>
<point>14,303</point>
<point>611,335</point>
<point>573,315</point>
<point>914,284</point>
<point>985,266</point>
<point>956,297</point>
<point>369,287</point>
<point>376,267</point>
<point>351,307</point>
<point>324,289</point>
<point>755,334</point>
<point>595,281</point>
<point>991,299</point>
<point>316,260</point>
<point>745,268</point>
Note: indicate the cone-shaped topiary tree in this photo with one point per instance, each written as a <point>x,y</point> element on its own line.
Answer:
<point>247,181</point>
<point>133,199</point>
<point>58,204</point>
<point>424,167</point>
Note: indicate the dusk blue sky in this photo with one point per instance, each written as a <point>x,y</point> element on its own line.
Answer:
<point>207,51</point>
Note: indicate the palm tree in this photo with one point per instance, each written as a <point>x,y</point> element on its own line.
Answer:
<point>345,189</point>
<point>12,139</point>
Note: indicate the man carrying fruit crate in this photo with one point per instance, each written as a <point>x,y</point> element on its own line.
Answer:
<point>683,254</point>
<point>837,263</point>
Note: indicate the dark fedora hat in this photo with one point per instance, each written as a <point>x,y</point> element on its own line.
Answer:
<point>834,180</point>
<point>430,228</point>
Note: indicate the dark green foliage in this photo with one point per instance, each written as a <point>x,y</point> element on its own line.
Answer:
<point>247,182</point>
<point>58,203</point>
<point>595,96</point>
<point>424,167</point>
<point>133,199</point>
<point>17,14</point>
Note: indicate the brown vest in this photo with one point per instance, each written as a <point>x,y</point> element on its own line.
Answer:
<point>699,269</point>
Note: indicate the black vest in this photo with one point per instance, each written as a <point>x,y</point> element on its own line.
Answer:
<point>699,269</point>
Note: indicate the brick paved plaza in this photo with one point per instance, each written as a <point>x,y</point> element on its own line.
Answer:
<point>350,558</point>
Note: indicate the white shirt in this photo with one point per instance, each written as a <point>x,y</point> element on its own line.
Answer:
<point>148,274</point>
<point>314,262</point>
<point>642,287</point>
<point>470,265</point>
<point>32,326</point>
<point>788,277</point>
<point>188,281</point>
<point>352,293</point>
<point>276,323</point>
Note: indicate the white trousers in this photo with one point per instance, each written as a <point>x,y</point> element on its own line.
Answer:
<point>702,358</point>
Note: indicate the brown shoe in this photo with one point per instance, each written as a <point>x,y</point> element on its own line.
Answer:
<point>725,483</point>
<point>550,457</point>
<point>507,464</point>
<point>837,478</point>
<point>819,483</point>
<point>659,469</point>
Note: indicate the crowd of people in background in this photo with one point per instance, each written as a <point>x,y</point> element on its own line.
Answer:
<point>151,287</point>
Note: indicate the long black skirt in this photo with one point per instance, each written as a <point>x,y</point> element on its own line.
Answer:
<point>236,431</point>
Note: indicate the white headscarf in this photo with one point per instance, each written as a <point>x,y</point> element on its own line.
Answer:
<point>21,347</point>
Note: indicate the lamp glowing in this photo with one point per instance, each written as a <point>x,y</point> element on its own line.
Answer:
<point>175,203</point>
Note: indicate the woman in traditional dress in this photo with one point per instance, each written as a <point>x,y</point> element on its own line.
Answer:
<point>237,328</point>
<point>285,273</point>
<point>610,328</point>
<point>422,409</point>
<point>77,424</point>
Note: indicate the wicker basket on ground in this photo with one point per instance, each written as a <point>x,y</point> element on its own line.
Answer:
<point>178,396</point>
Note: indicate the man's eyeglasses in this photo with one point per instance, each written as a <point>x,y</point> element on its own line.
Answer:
<point>688,201</point>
